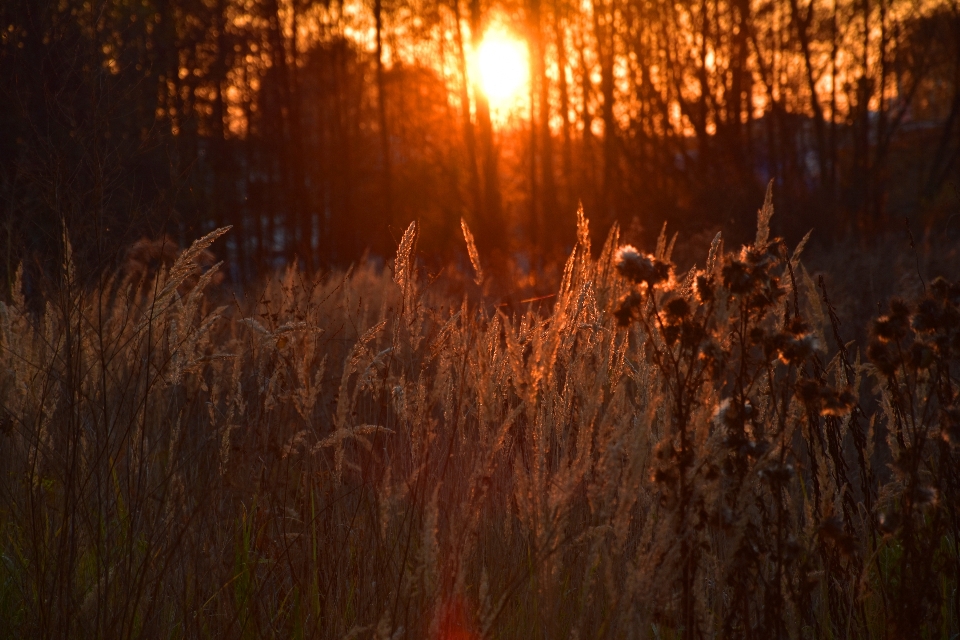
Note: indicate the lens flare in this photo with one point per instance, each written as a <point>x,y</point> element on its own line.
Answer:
<point>503,68</point>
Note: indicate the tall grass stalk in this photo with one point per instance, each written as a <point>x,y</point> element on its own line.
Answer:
<point>362,455</point>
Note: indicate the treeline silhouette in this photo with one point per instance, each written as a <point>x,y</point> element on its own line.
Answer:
<point>320,129</point>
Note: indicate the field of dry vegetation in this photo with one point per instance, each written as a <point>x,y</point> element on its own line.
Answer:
<point>654,454</point>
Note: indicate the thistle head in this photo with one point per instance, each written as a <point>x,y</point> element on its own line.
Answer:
<point>641,268</point>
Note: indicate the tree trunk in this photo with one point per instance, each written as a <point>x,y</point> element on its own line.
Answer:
<point>491,235</point>
<point>469,133</point>
<point>387,177</point>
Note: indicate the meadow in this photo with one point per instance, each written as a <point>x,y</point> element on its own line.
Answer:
<point>650,453</point>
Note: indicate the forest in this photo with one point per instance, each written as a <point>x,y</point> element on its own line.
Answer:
<point>319,130</point>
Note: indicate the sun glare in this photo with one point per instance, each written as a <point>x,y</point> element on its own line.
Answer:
<point>503,68</point>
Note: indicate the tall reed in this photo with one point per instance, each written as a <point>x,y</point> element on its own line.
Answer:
<point>659,454</point>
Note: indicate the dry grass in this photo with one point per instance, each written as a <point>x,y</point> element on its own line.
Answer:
<point>659,455</point>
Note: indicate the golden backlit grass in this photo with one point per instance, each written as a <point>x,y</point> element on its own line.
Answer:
<point>660,454</point>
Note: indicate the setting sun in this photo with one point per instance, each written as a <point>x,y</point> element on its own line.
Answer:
<point>503,68</point>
